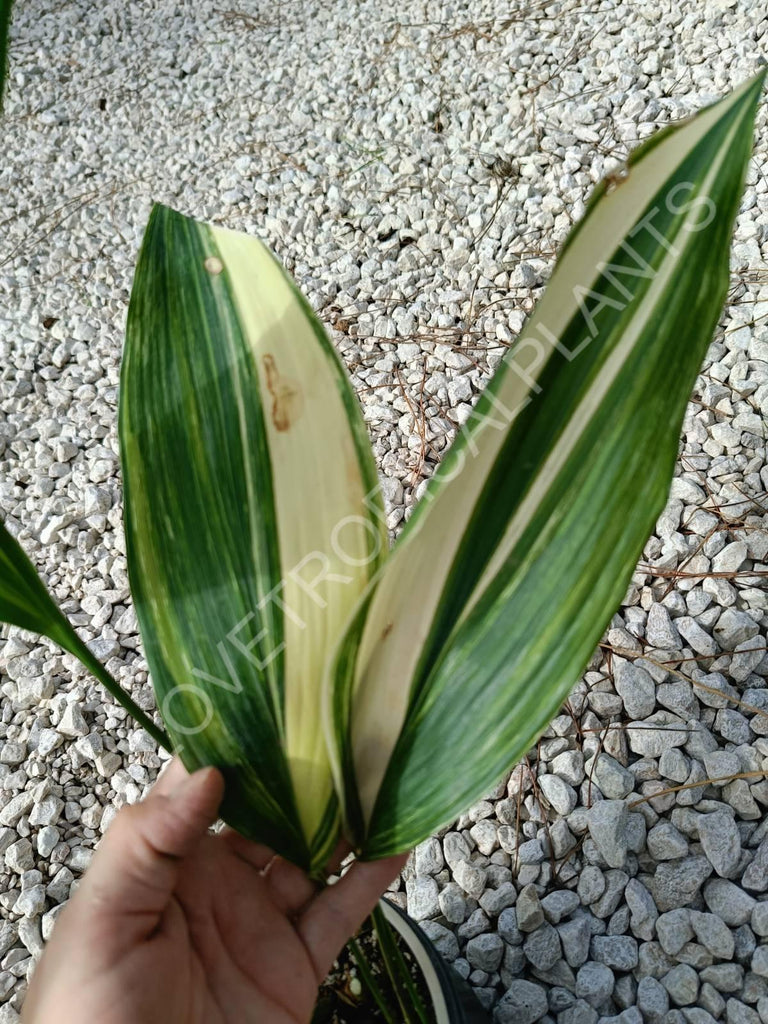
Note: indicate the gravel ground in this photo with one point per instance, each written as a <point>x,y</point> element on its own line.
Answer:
<point>415,165</point>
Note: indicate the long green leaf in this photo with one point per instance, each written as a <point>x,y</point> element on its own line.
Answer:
<point>506,575</point>
<point>253,519</point>
<point>25,602</point>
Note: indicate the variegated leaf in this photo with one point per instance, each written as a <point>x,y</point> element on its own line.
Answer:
<point>252,516</point>
<point>504,578</point>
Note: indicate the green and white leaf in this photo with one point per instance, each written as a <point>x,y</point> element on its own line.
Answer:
<point>503,580</point>
<point>253,519</point>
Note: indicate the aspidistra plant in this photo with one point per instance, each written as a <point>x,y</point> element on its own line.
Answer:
<point>342,687</point>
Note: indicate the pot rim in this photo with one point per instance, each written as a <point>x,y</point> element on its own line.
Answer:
<point>450,995</point>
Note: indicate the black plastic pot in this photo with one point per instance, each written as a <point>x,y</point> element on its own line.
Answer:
<point>453,1000</point>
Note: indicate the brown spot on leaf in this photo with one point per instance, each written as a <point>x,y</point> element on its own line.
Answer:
<point>387,630</point>
<point>287,402</point>
<point>615,179</point>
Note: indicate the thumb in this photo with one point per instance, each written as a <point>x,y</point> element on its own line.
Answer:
<point>136,868</point>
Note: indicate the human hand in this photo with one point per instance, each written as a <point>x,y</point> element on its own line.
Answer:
<point>174,925</point>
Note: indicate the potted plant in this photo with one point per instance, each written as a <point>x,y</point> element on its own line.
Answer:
<point>335,682</point>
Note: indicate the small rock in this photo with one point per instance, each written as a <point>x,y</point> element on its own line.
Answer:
<point>485,835</point>
<point>660,631</point>
<point>523,1003</point>
<point>720,764</point>
<point>674,929</point>
<point>575,937</point>
<point>608,828</point>
<point>594,983</point>
<point>619,952</point>
<point>15,808</point>
<point>643,912</point>
<point>676,883</point>
<point>713,933</point>
<point>733,628</point>
<point>31,902</point>
<point>560,795</point>
<point>72,724</point>
<point>737,1012</point>
<point>444,941</point>
<point>29,933</point>
<point>428,857</point>
<point>652,1000</point>
<point>682,984</point>
<point>47,840</point>
<point>47,811</point>
<point>635,687</point>
<point>456,849</point>
<point>759,963</point>
<point>731,558</point>
<point>759,919</point>
<point>591,884</point>
<point>508,929</point>
<point>559,904</point>
<point>655,734</point>
<point>755,876</point>
<point>471,879</point>
<point>746,657</point>
<point>542,947</point>
<point>665,842</point>
<point>493,901</point>
<point>476,923</point>
<point>695,636</point>
<point>9,933</point>
<point>422,895</point>
<point>569,766</point>
<point>453,905</point>
<point>19,856</point>
<point>107,763</point>
<point>13,752</point>
<point>721,842</point>
<point>580,1013</point>
<point>529,912</point>
<point>613,779</point>
<point>615,881</point>
<point>729,902</point>
<point>484,952</point>
<point>724,977</point>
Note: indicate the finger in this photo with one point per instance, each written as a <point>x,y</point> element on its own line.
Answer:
<point>342,850</point>
<point>338,911</point>
<point>256,854</point>
<point>290,887</point>
<point>136,867</point>
<point>172,775</point>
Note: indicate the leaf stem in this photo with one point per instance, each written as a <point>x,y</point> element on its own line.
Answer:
<point>72,643</point>
<point>369,981</point>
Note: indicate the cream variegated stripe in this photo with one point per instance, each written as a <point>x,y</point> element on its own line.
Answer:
<point>331,530</point>
<point>410,614</point>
